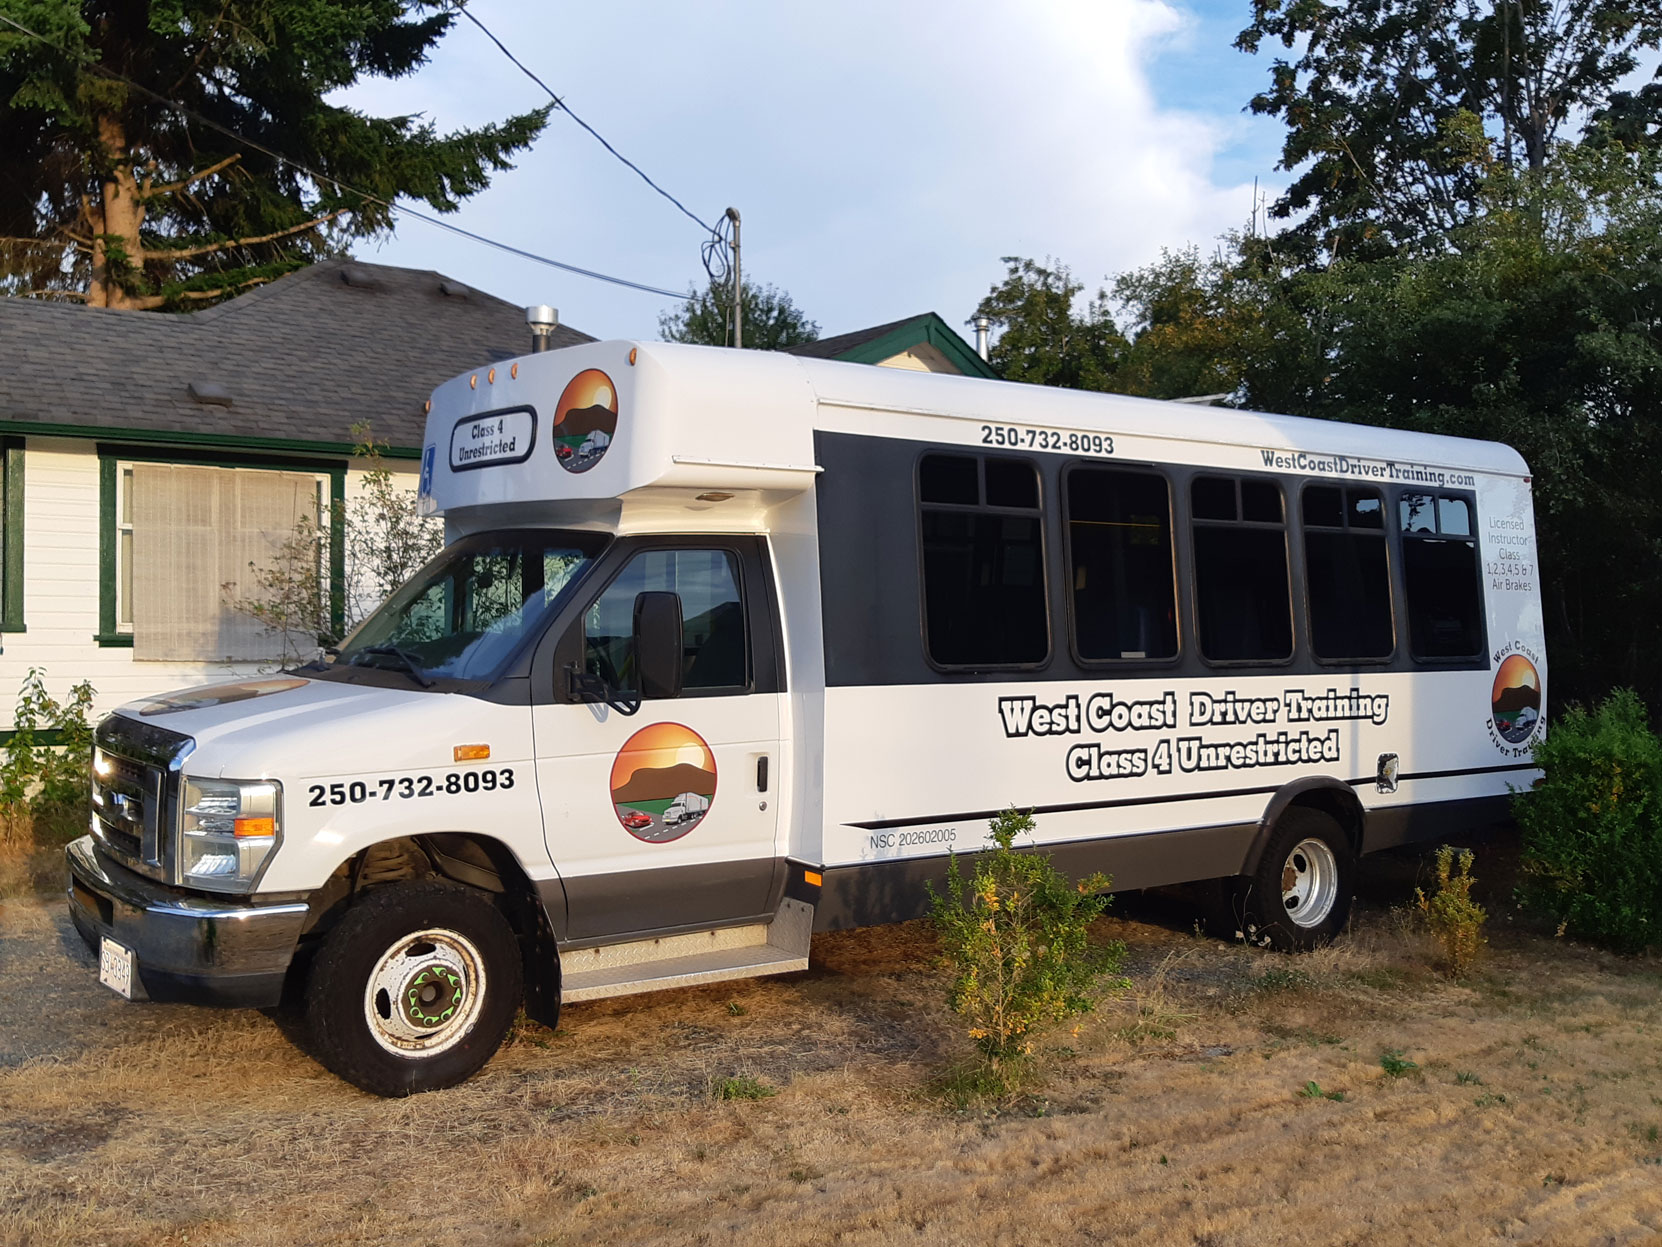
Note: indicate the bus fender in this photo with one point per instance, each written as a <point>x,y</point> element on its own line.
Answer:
<point>1333,797</point>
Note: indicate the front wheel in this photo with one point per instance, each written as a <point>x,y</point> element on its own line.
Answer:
<point>1299,896</point>
<point>415,988</point>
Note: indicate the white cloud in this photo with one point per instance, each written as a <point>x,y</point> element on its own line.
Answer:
<point>884,156</point>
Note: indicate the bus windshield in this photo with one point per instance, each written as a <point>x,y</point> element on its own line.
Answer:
<point>465,614</point>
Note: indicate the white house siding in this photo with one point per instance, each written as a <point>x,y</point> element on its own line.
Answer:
<point>61,591</point>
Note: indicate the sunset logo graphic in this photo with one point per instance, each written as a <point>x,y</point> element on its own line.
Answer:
<point>663,782</point>
<point>1516,699</point>
<point>585,421</point>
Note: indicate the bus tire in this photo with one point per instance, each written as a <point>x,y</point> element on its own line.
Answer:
<point>415,988</point>
<point>1299,896</point>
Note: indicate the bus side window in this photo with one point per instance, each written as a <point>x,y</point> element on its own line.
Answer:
<point>1120,557</point>
<point>1242,593</point>
<point>1346,574</point>
<point>983,561</point>
<point>1440,570</point>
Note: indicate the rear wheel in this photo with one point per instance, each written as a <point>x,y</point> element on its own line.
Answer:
<point>1299,896</point>
<point>415,988</point>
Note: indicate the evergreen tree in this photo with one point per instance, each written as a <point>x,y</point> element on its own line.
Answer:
<point>109,194</point>
<point>1043,339</point>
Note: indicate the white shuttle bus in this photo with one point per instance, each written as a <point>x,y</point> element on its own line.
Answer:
<point>726,648</point>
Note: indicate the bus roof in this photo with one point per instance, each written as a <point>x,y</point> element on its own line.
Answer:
<point>603,421</point>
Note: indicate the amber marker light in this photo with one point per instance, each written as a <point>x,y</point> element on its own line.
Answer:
<point>473,382</point>
<point>813,877</point>
<point>632,354</point>
<point>514,372</point>
<point>427,406</point>
<point>255,826</point>
<point>471,753</point>
<point>491,376</point>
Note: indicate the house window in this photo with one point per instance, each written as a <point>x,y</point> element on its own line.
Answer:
<point>188,541</point>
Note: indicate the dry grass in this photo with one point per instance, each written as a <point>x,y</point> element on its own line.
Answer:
<point>1172,1116</point>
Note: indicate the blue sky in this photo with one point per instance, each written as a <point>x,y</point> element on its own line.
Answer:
<point>883,156</point>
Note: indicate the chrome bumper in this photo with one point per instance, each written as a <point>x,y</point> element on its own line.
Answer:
<point>188,947</point>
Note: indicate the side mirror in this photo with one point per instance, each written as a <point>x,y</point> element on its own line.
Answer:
<point>658,644</point>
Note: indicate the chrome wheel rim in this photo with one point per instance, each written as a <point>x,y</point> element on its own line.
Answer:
<point>425,993</point>
<point>1309,883</point>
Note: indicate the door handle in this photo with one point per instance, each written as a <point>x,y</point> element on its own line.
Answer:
<point>762,773</point>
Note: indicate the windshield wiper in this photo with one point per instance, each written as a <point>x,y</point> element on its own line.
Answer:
<point>411,661</point>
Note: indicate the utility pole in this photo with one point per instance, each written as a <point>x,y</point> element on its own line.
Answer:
<point>738,284</point>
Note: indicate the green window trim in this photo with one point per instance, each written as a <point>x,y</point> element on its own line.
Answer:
<point>110,457</point>
<point>11,536</point>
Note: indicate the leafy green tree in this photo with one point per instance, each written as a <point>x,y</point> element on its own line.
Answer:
<point>772,322</point>
<point>109,194</point>
<point>1394,109</point>
<point>1043,337</point>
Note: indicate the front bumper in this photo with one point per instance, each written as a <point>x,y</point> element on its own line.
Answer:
<point>188,947</point>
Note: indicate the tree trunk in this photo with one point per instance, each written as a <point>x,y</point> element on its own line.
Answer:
<point>117,252</point>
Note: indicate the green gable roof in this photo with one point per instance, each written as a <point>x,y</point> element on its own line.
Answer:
<point>880,342</point>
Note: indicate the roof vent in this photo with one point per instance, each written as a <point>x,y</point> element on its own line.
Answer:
<point>209,393</point>
<point>544,320</point>
<point>352,275</point>
<point>453,289</point>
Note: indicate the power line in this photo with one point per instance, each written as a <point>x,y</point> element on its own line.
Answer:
<point>566,108</point>
<point>325,179</point>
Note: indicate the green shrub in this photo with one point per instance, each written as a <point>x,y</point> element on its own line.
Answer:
<point>1592,829</point>
<point>1017,939</point>
<point>1456,921</point>
<point>48,781</point>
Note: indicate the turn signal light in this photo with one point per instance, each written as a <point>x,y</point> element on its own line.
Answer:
<point>254,827</point>
<point>471,753</point>
<point>813,877</point>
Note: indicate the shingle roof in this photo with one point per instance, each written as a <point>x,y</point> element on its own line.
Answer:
<point>303,358</point>
<point>835,348</point>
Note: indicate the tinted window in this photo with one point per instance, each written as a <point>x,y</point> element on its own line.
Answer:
<point>1440,574</point>
<point>1241,587</point>
<point>983,569</point>
<point>1120,556</point>
<point>714,654</point>
<point>1346,573</point>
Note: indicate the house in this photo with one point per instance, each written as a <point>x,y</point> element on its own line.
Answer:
<point>147,459</point>
<point>922,343</point>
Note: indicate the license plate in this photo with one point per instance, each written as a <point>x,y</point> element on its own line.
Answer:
<point>115,967</point>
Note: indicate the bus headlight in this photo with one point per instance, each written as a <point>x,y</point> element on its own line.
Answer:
<point>229,829</point>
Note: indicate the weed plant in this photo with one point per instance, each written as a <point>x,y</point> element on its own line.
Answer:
<point>1592,828</point>
<point>1454,919</point>
<point>43,778</point>
<point>1017,938</point>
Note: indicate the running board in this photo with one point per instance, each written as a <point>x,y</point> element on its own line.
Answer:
<point>777,947</point>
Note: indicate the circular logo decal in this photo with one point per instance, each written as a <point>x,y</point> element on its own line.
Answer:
<point>663,782</point>
<point>585,420</point>
<point>1515,700</point>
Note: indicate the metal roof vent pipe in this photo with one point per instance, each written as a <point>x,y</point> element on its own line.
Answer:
<point>544,320</point>
<point>982,325</point>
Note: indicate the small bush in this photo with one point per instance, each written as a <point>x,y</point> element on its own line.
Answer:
<point>1592,829</point>
<point>1455,920</point>
<point>1017,939</point>
<point>46,784</point>
<point>1395,1064</point>
<point>743,1087</point>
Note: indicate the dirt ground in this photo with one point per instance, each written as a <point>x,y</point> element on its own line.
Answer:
<point>1182,1114</point>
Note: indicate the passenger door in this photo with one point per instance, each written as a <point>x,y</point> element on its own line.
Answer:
<point>667,818</point>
